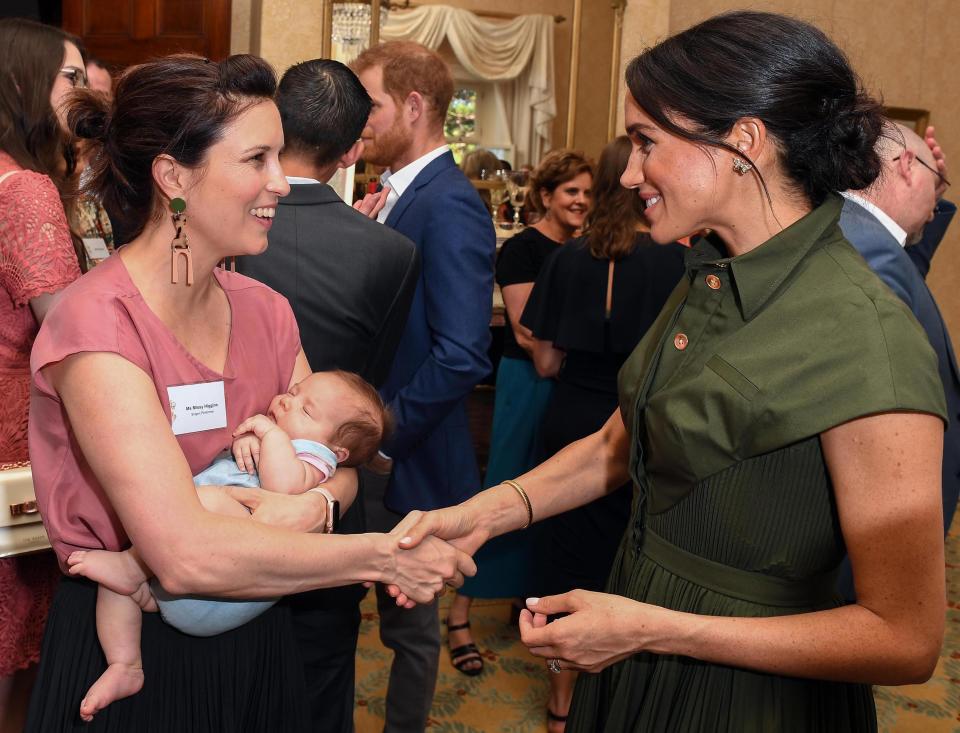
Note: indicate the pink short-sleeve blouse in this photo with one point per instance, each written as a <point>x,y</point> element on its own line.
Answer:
<point>104,311</point>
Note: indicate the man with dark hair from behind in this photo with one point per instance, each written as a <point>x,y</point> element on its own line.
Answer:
<point>350,282</point>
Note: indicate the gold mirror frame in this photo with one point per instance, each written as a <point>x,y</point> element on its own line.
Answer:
<point>326,46</point>
<point>913,117</point>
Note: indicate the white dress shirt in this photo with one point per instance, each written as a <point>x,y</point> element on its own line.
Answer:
<point>297,179</point>
<point>896,231</point>
<point>401,180</point>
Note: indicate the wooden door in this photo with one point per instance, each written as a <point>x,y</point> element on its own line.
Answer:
<point>124,32</point>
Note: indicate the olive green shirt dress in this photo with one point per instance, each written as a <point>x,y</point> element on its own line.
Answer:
<point>734,513</point>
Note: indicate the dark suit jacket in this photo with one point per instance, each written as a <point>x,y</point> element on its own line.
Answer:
<point>895,267</point>
<point>443,352</point>
<point>922,252</point>
<point>349,280</point>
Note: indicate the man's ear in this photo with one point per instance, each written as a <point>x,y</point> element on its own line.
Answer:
<point>414,106</point>
<point>352,155</point>
<point>904,164</point>
<point>170,176</point>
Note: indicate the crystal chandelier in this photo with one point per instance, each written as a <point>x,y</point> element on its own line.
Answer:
<point>351,28</point>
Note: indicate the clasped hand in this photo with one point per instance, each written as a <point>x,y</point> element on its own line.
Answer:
<point>601,629</point>
<point>422,571</point>
<point>452,527</point>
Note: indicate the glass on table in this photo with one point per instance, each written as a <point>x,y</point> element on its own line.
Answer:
<point>518,183</point>
<point>497,192</point>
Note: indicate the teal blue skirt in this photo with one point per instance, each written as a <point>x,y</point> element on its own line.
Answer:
<point>504,565</point>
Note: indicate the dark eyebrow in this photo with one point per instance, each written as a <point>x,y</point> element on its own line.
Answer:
<point>257,149</point>
<point>639,126</point>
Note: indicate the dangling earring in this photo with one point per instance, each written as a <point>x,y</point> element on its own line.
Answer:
<point>741,166</point>
<point>180,246</point>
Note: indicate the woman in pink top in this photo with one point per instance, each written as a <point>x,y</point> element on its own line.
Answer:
<point>134,353</point>
<point>37,259</point>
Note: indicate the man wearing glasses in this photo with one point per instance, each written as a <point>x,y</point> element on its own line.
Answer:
<point>897,224</point>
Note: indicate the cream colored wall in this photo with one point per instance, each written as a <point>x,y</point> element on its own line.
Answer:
<point>290,31</point>
<point>593,77</point>
<point>645,22</point>
<point>240,16</point>
<point>906,53</point>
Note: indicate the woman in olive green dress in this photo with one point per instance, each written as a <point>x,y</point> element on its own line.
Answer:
<point>783,410</point>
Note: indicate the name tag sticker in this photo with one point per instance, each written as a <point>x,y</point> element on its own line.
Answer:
<point>96,248</point>
<point>197,407</point>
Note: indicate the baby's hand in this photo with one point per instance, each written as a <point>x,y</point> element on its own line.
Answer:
<point>246,452</point>
<point>259,425</point>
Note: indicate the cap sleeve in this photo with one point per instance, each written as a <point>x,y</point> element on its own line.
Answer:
<point>517,261</point>
<point>890,367</point>
<point>542,312</point>
<point>36,251</point>
<point>85,321</point>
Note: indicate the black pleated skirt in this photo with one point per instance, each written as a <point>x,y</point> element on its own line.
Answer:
<point>250,679</point>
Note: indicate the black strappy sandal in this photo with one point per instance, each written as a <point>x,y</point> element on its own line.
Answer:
<point>552,717</point>
<point>464,654</point>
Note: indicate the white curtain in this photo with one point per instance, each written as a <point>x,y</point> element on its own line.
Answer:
<point>516,55</point>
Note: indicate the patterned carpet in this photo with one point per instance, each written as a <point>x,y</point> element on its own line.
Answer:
<point>510,695</point>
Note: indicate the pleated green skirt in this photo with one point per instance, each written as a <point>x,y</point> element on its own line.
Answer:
<point>757,540</point>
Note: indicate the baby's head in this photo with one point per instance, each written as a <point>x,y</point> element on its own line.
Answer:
<point>338,409</point>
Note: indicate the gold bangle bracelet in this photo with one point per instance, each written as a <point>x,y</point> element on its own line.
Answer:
<point>526,500</point>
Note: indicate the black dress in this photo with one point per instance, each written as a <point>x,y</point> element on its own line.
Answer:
<point>505,564</point>
<point>567,306</point>
<point>248,680</point>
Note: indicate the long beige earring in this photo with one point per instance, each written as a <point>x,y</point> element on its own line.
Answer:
<point>180,246</point>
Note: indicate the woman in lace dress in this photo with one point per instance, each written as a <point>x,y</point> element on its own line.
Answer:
<point>37,259</point>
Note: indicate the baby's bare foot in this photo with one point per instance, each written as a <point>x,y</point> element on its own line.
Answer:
<point>118,682</point>
<point>118,571</point>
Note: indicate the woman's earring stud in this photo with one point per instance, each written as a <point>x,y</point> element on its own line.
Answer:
<point>742,167</point>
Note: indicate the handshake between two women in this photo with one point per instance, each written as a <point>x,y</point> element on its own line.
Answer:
<point>427,561</point>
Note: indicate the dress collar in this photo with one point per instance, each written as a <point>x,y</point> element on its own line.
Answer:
<point>400,180</point>
<point>759,273</point>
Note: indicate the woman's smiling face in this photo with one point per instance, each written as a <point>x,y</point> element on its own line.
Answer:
<point>569,202</point>
<point>231,205</point>
<point>676,178</point>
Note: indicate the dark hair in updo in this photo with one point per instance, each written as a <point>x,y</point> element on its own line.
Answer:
<point>781,70</point>
<point>177,105</point>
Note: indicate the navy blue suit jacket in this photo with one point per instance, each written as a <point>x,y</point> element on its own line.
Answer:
<point>903,275</point>
<point>923,251</point>
<point>443,350</point>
